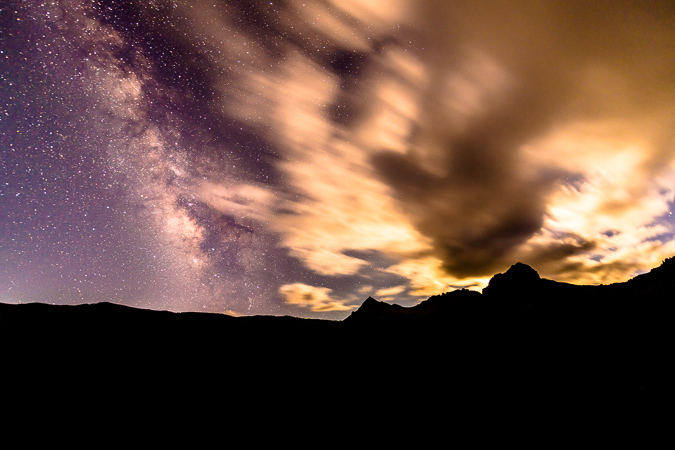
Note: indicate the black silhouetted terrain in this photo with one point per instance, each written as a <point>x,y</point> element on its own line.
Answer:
<point>551,348</point>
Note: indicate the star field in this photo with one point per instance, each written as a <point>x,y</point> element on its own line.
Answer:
<point>294,157</point>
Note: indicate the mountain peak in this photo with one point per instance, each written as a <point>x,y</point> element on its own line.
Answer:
<point>661,275</point>
<point>522,271</point>
<point>667,264</point>
<point>373,308</point>
<point>519,277</point>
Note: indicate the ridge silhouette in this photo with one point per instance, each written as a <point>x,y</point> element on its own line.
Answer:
<point>523,340</point>
<point>521,288</point>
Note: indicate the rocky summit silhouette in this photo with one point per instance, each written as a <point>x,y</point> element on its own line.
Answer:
<point>520,290</point>
<point>520,284</point>
<point>526,342</point>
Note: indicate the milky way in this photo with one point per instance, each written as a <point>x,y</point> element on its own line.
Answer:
<point>294,157</point>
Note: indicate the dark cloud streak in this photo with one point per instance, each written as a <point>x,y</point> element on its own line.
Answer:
<point>486,203</point>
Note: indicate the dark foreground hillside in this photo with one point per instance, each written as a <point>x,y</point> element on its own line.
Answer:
<point>528,353</point>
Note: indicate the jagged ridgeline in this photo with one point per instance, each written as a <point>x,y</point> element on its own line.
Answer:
<point>524,340</point>
<point>521,290</point>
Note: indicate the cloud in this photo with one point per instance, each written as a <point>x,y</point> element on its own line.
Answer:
<point>424,145</point>
<point>364,289</point>
<point>454,138</point>
<point>381,15</point>
<point>485,148</point>
<point>428,277</point>
<point>505,180</point>
<point>243,200</point>
<point>314,298</point>
<point>391,291</point>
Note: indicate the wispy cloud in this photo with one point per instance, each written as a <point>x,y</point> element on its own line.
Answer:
<point>314,298</point>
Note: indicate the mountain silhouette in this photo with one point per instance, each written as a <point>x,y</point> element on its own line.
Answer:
<point>552,348</point>
<point>521,290</point>
<point>520,283</point>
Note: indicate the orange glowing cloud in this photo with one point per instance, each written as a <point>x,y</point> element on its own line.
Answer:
<point>500,142</point>
<point>314,298</point>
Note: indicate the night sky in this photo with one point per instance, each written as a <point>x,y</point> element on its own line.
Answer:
<point>295,157</point>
